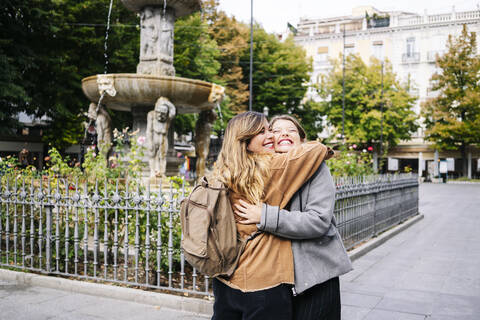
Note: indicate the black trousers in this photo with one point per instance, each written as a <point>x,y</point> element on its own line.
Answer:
<point>232,304</point>
<point>320,302</point>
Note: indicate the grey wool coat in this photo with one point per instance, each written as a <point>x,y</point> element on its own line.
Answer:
<point>318,250</point>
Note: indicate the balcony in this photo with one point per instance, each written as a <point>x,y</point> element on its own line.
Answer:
<point>321,64</point>
<point>382,22</point>
<point>412,57</point>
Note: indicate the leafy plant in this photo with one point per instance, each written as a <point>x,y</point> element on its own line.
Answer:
<point>351,162</point>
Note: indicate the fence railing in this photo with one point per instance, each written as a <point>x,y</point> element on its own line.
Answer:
<point>121,232</point>
<point>367,206</point>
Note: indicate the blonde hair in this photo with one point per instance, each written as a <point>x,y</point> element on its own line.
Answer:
<point>241,170</point>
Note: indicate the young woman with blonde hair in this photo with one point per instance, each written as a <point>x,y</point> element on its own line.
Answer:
<point>260,287</point>
<point>319,255</point>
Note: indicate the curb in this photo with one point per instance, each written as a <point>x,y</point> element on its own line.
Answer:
<point>383,237</point>
<point>164,300</point>
<point>161,300</point>
<point>463,182</point>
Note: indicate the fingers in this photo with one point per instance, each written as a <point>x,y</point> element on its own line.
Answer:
<point>241,214</point>
<point>243,203</point>
<point>246,222</point>
<point>241,208</point>
<point>246,204</point>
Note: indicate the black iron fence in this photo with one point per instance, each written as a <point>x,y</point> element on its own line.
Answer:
<point>119,231</point>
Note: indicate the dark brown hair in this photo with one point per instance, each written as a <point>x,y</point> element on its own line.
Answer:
<point>301,131</point>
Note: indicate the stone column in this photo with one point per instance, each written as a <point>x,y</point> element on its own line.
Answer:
<point>469,157</point>
<point>375,162</point>
<point>420,164</point>
<point>203,130</point>
<point>140,119</point>
<point>156,41</point>
<point>435,164</point>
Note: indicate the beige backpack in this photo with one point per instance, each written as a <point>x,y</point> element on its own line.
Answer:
<point>210,241</point>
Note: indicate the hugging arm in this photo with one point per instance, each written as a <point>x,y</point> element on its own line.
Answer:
<point>292,169</point>
<point>314,221</point>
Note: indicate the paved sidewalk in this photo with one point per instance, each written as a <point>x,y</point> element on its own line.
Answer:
<point>429,271</point>
<point>22,302</point>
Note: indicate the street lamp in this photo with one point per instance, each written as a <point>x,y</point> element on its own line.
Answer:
<point>343,88</point>
<point>251,56</point>
<point>381,120</point>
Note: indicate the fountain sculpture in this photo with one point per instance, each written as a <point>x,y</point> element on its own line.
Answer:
<point>154,95</point>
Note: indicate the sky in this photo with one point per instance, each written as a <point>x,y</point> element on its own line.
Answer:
<point>273,15</point>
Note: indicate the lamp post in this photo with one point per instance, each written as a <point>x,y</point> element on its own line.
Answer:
<point>381,120</point>
<point>251,57</point>
<point>343,89</point>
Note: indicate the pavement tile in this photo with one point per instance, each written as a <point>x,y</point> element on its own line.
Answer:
<point>462,286</point>
<point>463,269</point>
<point>31,295</point>
<point>116,310</point>
<point>354,313</point>
<point>410,301</point>
<point>77,316</point>
<point>359,300</point>
<point>437,317</point>
<point>421,281</point>
<point>392,315</point>
<point>455,306</point>
<point>404,305</point>
<point>71,302</point>
<point>433,266</point>
<point>368,289</point>
<point>24,311</point>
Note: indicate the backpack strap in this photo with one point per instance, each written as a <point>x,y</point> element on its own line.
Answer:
<point>186,208</point>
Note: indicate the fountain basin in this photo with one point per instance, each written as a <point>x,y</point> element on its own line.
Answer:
<point>181,7</point>
<point>138,90</point>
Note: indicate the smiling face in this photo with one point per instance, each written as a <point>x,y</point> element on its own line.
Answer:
<point>285,134</point>
<point>262,142</point>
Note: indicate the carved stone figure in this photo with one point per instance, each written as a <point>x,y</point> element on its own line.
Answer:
<point>23,157</point>
<point>158,123</point>
<point>156,41</point>
<point>103,126</point>
<point>203,129</point>
<point>106,85</point>
<point>216,93</point>
<point>149,34</point>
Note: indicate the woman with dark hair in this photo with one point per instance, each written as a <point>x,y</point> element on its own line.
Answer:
<point>260,287</point>
<point>318,251</point>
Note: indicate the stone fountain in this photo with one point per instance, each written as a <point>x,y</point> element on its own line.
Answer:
<point>154,95</point>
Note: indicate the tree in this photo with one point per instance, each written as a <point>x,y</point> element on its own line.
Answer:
<point>309,113</point>
<point>231,37</point>
<point>452,118</point>
<point>280,71</point>
<point>48,47</point>
<point>363,103</point>
<point>22,26</point>
<point>195,57</point>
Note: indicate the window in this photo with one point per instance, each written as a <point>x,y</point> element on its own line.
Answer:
<point>349,49</point>
<point>322,56</point>
<point>410,47</point>
<point>377,49</point>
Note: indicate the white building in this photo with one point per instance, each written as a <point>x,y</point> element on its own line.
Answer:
<point>409,41</point>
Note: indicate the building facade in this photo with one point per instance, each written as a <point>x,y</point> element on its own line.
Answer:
<point>411,43</point>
